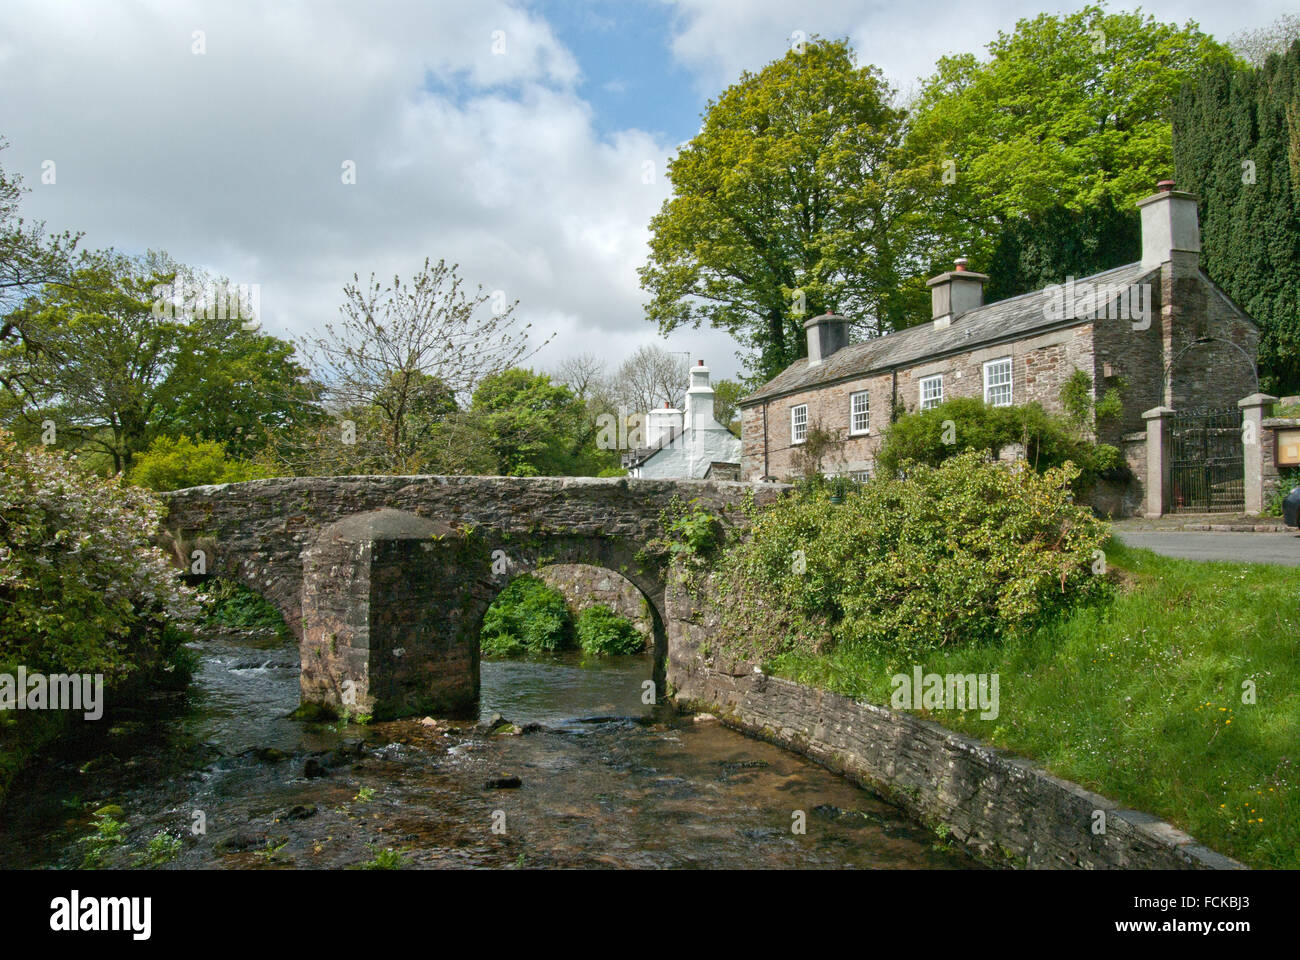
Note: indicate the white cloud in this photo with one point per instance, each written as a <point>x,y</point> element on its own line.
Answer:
<point>231,160</point>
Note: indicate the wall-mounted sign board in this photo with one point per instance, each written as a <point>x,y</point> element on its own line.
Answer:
<point>1288,448</point>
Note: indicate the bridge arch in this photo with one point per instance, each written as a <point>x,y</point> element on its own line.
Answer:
<point>385,580</point>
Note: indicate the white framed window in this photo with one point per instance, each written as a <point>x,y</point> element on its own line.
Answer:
<point>859,413</point>
<point>860,476</point>
<point>799,423</point>
<point>931,391</point>
<point>997,382</point>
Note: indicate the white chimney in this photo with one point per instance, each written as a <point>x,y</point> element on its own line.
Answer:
<point>1169,225</point>
<point>699,399</point>
<point>666,422</point>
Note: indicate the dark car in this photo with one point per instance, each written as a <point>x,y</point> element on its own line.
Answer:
<point>1291,508</point>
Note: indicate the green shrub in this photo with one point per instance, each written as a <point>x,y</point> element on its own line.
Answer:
<point>234,605</point>
<point>82,587</point>
<point>965,552</point>
<point>387,859</point>
<point>109,836</point>
<point>529,614</point>
<point>175,463</point>
<point>501,644</point>
<point>601,631</point>
<point>966,423</point>
<point>82,590</point>
<point>691,532</point>
<point>1287,480</point>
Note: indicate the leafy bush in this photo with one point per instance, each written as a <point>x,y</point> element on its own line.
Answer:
<point>82,587</point>
<point>176,463</point>
<point>601,631</point>
<point>691,532</point>
<point>965,552</point>
<point>1286,481</point>
<point>234,605</point>
<point>109,835</point>
<point>966,423</point>
<point>529,615</point>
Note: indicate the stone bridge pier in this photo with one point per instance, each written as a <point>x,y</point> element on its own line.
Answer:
<point>385,580</point>
<point>392,605</point>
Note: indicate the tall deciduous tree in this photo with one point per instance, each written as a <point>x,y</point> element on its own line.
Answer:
<point>783,206</point>
<point>394,341</point>
<point>1066,123</point>
<point>30,259</point>
<point>1256,46</point>
<point>112,365</point>
<point>651,377</point>
<point>1237,145</point>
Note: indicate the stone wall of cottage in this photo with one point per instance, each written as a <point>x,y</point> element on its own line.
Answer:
<point>1210,375</point>
<point>1040,367</point>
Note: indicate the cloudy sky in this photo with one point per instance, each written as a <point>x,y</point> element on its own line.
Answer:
<point>525,141</point>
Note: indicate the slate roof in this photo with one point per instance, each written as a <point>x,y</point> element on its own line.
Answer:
<point>1008,319</point>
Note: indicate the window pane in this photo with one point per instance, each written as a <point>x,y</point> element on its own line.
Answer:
<point>860,412</point>
<point>997,383</point>
<point>931,392</point>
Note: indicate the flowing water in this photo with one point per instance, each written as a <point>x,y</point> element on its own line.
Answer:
<point>604,781</point>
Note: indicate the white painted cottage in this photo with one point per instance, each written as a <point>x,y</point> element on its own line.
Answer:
<point>689,443</point>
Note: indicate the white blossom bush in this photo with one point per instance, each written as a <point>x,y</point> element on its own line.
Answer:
<point>82,586</point>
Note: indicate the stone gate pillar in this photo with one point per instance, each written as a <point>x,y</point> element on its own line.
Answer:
<point>1253,410</point>
<point>1157,479</point>
<point>385,629</point>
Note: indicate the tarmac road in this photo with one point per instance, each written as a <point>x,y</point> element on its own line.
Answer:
<point>1281,548</point>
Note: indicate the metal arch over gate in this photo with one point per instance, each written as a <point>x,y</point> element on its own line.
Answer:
<point>1206,462</point>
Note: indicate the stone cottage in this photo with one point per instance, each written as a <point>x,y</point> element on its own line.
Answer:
<point>1158,326</point>
<point>687,444</point>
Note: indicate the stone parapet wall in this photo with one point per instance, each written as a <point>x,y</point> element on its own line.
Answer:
<point>255,532</point>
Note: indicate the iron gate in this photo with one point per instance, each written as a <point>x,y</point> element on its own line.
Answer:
<point>1206,462</point>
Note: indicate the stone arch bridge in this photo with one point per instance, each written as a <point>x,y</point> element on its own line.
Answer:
<point>385,580</point>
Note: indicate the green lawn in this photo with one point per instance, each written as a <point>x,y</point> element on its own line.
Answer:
<point>1141,698</point>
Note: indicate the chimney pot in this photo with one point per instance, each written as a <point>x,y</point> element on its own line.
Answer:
<point>1165,186</point>
<point>960,263</point>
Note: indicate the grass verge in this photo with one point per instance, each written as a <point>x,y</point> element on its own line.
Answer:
<point>1142,698</point>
